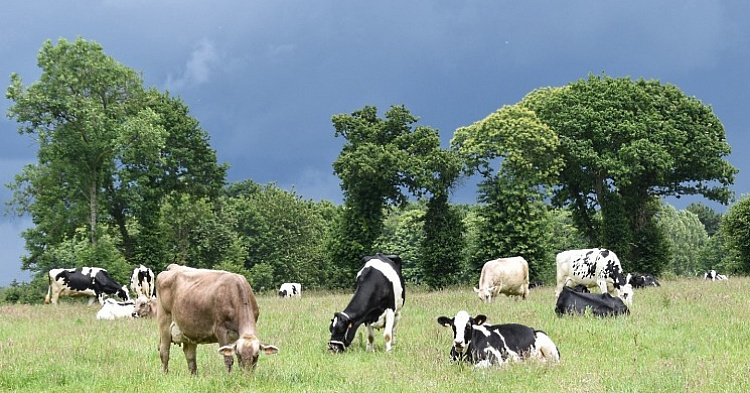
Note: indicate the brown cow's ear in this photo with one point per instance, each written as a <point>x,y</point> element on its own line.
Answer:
<point>268,349</point>
<point>227,350</point>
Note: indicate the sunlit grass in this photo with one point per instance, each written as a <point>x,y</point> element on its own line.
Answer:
<point>688,335</point>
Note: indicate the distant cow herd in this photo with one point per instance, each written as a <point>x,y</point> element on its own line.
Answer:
<point>199,306</point>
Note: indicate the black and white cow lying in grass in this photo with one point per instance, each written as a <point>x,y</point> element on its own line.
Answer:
<point>713,276</point>
<point>600,304</point>
<point>484,345</point>
<point>643,280</point>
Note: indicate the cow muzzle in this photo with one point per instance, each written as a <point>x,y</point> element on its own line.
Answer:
<point>336,346</point>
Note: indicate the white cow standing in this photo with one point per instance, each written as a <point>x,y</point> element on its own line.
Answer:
<point>509,276</point>
<point>593,267</point>
<point>290,289</point>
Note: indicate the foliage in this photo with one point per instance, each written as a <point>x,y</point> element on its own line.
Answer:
<point>735,228</point>
<point>403,234</point>
<point>380,161</point>
<point>628,143</point>
<point>442,243</point>
<point>515,220</point>
<point>710,218</point>
<point>687,239</point>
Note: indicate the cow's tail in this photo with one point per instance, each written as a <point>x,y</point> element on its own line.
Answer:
<point>546,347</point>
<point>49,290</point>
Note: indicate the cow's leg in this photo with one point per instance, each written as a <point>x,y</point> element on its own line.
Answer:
<point>165,339</point>
<point>223,339</point>
<point>370,338</point>
<point>190,356</point>
<point>55,296</point>
<point>388,335</point>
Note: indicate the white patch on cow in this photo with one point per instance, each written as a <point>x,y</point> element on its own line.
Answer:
<point>459,323</point>
<point>482,329</point>
<point>545,348</point>
<point>391,275</point>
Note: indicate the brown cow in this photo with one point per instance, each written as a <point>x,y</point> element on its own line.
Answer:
<point>198,306</point>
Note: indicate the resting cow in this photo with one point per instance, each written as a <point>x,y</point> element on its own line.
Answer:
<point>713,276</point>
<point>143,282</point>
<point>377,303</point>
<point>145,307</point>
<point>599,304</point>
<point>84,281</point>
<point>638,280</point>
<point>484,345</point>
<point>114,310</point>
<point>199,306</point>
<point>595,267</point>
<point>290,289</point>
<point>509,276</point>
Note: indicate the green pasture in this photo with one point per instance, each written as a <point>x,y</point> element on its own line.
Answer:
<point>687,336</point>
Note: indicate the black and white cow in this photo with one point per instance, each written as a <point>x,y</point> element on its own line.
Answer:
<point>599,304</point>
<point>376,302</point>
<point>143,282</point>
<point>290,289</point>
<point>113,309</point>
<point>84,281</point>
<point>713,276</point>
<point>638,280</point>
<point>594,267</point>
<point>484,345</point>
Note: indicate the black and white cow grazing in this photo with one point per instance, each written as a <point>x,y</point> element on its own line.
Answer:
<point>484,345</point>
<point>114,310</point>
<point>594,267</point>
<point>599,304</point>
<point>643,280</point>
<point>290,289</point>
<point>143,282</point>
<point>713,276</point>
<point>376,302</point>
<point>84,281</point>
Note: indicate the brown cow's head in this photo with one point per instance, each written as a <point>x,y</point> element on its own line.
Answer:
<point>247,349</point>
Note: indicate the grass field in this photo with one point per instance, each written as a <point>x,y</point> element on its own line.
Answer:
<point>687,336</point>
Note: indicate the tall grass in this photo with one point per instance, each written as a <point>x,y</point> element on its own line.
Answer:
<point>688,335</point>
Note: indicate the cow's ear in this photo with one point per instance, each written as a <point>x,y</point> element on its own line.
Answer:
<point>268,349</point>
<point>227,350</point>
<point>480,319</point>
<point>476,289</point>
<point>445,321</point>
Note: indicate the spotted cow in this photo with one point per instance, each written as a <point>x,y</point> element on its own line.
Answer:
<point>113,309</point>
<point>595,267</point>
<point>94,282</point>
<point>290,289</point>
<point>483,345</point>
<point>599,304</point>
<point>143,282</point>
<point>376,303</point>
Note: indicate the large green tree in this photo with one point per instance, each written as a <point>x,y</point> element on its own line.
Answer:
<point>735,231</point>
<point>626,143</point>
<point>382,162</point>
<point>109,151</point>
<point>516,155</point>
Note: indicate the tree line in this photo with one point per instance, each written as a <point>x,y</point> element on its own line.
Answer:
<point>125,176</point>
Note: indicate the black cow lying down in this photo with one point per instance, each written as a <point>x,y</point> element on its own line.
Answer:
<point>600,304</point>
<point>643,280</point>
<point>484,345</point>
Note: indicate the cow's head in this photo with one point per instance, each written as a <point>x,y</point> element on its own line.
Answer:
<point>485,294</point>
<point>340,336</point>
<point>462,325</point>
<point>144,307</point>
<point>247,349</point>
<point>625,292</point>
<point>282,293</point>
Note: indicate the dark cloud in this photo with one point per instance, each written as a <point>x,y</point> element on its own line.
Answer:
<point>265,77</point>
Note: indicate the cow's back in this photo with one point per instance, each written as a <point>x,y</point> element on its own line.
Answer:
<point>196,299</point>
<point>511,275</point>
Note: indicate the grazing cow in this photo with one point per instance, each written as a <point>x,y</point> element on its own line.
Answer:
<point>84,281</point>
<point>600,304</point>
<point>143,282</point>
<point>509,276</point>
<point>113,310</point>
<point>483,345</point>
<point>377,303</point>
<point>593,267</point>
<point>638,280</point>
<point>199,306</point>
<point>145,307</point>
<point>713,276</point>
<point>290,289</point>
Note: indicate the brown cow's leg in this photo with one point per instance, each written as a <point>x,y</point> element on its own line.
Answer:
<point>190,355</point>
<point>165,339</point>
